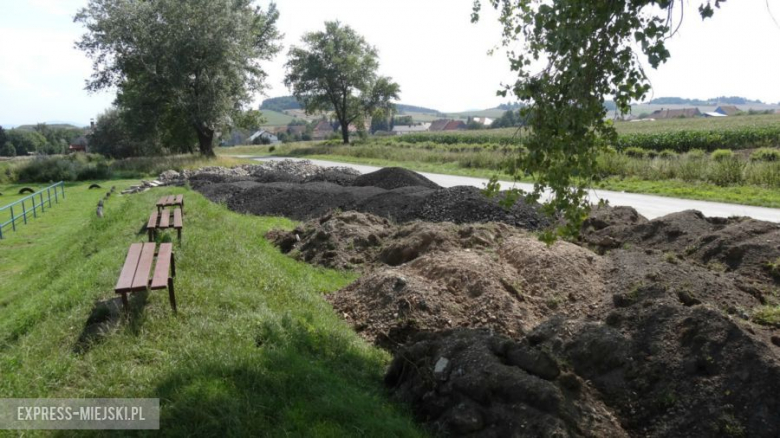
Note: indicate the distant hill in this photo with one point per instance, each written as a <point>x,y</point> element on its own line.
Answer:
<point>280,104</point>
<point>406,109</point>
<point>722,100</point>
<point>53,125</point>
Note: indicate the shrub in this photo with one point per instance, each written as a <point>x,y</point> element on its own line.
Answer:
<point>651,153</point>
<point>726,171</point>
<point>722,155</point>
<point>78,167</point>
<point>8,150</point>
<point>695,154</point>
<point>668,154</point>
<point>765,154</point>
<point>635,152</point>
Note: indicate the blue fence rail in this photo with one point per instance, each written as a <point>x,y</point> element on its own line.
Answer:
<point>21,209</point>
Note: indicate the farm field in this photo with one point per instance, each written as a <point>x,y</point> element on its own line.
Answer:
<point>254,346</point>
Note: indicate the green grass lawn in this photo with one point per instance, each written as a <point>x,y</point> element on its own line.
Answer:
<point>255,350</point>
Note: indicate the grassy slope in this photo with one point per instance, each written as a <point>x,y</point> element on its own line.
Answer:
<point>254,350</point>
<point>274,118</point>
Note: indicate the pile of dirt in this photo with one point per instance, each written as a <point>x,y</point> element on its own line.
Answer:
<point>497,334</point>
<point>434,276</point>
<point>471,383</point>
<point>653,368</point>
<point>337,240</point>
<point>394,177</point>
<point>302,191</point>
<point>464,204</point>
<point>742,248</point>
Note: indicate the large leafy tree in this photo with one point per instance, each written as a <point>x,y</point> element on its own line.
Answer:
<point>589,50</point>
<point>336,70</point>
<point>177,63</point>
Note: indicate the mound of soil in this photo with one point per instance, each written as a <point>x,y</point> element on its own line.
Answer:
<point>394,177</point>
<point>463,204</point>
<point>450,276</point>
<point>434,292</point>
<point>339,240</point>
<point>309,200</point>
<point>664,364</point>
<point>298,201</point>
<point>741,247</point>
<point>471,383</point>
<point>342,176</point>
<point>413,240</point>
<point>220,193</point>
<point>668,369</point>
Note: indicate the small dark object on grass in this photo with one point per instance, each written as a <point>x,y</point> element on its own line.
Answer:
<point>26,190</point>
<point>94,186</point>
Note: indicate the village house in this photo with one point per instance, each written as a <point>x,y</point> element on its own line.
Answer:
<point>409,129</point>
<point>675,113</point>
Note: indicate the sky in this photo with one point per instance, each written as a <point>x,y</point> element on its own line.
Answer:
<point>429,47</point>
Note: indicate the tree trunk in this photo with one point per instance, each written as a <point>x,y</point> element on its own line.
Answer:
<point>205,141</point>
<point>345,132</point>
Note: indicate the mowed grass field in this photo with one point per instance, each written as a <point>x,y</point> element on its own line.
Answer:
<point>254,350</point>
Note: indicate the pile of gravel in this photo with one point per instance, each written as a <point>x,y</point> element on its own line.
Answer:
<point>394,177</point>
<point>269,171</point>
<point>301,190</point>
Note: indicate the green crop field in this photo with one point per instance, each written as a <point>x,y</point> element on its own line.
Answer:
<point>736,132</point>
<point>254,349</point>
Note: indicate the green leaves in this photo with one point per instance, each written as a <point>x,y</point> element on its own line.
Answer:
<point>588,48</point>
<point>336,70</point>
<point>179,64</point>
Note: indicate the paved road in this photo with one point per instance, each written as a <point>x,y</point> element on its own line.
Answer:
<point>647,205</point>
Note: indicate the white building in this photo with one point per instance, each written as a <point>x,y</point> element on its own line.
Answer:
<point>408,129</point>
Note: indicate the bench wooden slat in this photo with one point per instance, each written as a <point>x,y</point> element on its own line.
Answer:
<point>171,199</point>
<point>152,224</point>
<point>161,201</point>
<point>141,279</point>
<point>160,279</point>
<point>177,222</point>
<point>179,200</point>
<point>125,282</point>
<point>165,218</point>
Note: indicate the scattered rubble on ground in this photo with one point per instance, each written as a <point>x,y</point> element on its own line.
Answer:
<point>144,186</point>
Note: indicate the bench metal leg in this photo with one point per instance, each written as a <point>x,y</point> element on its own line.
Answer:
<point>178,232</point>
<point>151,234</point>
<point>173,264</point>
<point>171,294</point>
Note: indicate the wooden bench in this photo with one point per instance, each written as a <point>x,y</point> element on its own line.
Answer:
<point>138,267</point>
<point>171,201</point>
<point>162,219</point>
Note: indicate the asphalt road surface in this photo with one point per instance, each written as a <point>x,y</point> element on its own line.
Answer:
<point>649,206</point>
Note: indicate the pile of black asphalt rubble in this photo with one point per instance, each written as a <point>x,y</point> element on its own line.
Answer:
<point>393,193</point>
